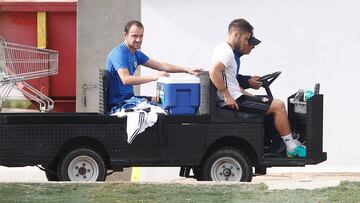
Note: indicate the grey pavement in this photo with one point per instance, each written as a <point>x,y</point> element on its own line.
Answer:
<point>274,181</point>
<point>21,174</point>
<point>291,181</point>
<point>305,180</point>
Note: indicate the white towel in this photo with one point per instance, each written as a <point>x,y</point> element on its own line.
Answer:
<point>138,119</point>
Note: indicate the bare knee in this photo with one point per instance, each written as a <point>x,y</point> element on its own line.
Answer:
<point>277,106</point>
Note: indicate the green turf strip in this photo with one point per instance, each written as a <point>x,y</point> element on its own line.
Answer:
<point>132,192</point>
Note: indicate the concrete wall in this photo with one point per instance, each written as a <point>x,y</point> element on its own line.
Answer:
<point>100,28</point>
<point>309,41</point>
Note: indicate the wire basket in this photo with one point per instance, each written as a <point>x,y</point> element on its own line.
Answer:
<point>19,63</point>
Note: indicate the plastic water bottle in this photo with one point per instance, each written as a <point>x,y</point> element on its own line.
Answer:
<point>317,88</point>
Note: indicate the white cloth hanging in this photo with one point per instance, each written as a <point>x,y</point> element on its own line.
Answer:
<point>139,118</point>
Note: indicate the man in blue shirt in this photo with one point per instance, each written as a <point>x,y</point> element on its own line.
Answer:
<point>124,59</point>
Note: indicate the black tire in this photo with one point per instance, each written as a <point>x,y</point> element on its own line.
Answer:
<point>82,165</point>
<point>51,173</point>
<point>227,164</point>
<point>197,172</point>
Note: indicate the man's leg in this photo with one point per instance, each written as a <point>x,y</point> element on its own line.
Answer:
<point>265,105</point>
<point>282,125</point>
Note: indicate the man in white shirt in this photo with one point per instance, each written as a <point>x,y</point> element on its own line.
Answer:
<point>223,71</point>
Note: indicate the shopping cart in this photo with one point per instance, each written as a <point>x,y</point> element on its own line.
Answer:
<point>19,63</point>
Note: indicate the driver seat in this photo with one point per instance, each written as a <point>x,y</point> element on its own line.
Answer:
<point>224,115</point>
<point>220,114</point>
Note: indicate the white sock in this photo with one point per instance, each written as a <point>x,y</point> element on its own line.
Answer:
<point>289,142</point>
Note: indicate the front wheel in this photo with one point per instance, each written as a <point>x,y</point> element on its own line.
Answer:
<point>82,165</point>
<point>227,164</point>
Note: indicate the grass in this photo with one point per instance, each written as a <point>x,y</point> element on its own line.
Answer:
<point>132,192</point>
<point>16,103</point>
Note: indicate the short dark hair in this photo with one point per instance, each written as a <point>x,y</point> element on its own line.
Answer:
<point>131,23</point>
<point>241,25</point>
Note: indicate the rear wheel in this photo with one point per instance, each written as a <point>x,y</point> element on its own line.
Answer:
<point>227,164</point>
<point>82,165</point>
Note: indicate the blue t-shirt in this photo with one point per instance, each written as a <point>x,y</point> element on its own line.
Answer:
<point>237,56</point>
<point>121,57</point>
<point>242,79</point>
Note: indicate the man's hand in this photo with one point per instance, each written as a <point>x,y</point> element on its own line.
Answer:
<point>254,82</point>
<point>161,74</point>
<point>193,71</point>
<point>229,100</point>
<point>155,99</point>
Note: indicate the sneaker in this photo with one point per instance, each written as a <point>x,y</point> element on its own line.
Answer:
<point>299,151</point>
<point>298,143</point>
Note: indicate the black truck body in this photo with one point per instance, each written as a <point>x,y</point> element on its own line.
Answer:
<point>28,139</point>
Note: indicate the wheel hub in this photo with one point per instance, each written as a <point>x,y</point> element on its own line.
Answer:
<point>226,169</point>
<point>227,172</point>
<point>82,171</point>
<point>83,168</point>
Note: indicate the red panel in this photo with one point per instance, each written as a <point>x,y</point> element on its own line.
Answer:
<point>61,34</point>
<point>20,28</point>
<point>38,6</point>
<point>64,106</point>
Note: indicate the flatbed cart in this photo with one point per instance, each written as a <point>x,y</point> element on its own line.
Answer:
<point>220,145</point>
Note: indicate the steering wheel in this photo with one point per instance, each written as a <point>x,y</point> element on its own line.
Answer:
<point>267,80</point>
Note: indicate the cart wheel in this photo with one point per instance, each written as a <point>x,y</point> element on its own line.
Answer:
<point>82,165</point>
<point>227,164</point>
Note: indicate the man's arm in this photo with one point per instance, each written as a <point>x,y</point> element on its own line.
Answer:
<point>170,68</point>
<point>243,81</point>
<point>128,79</point>
<point>216,77</point>
<point>246,81</point>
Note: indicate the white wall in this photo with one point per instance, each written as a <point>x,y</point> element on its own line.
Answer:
<point>308,40</point>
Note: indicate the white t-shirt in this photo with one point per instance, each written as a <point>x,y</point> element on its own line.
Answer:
<point>223,53</point>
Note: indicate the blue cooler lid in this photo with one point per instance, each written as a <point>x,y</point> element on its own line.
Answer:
<point>182,80</point>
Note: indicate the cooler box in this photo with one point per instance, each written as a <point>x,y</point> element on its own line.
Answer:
<point>179,96</point>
